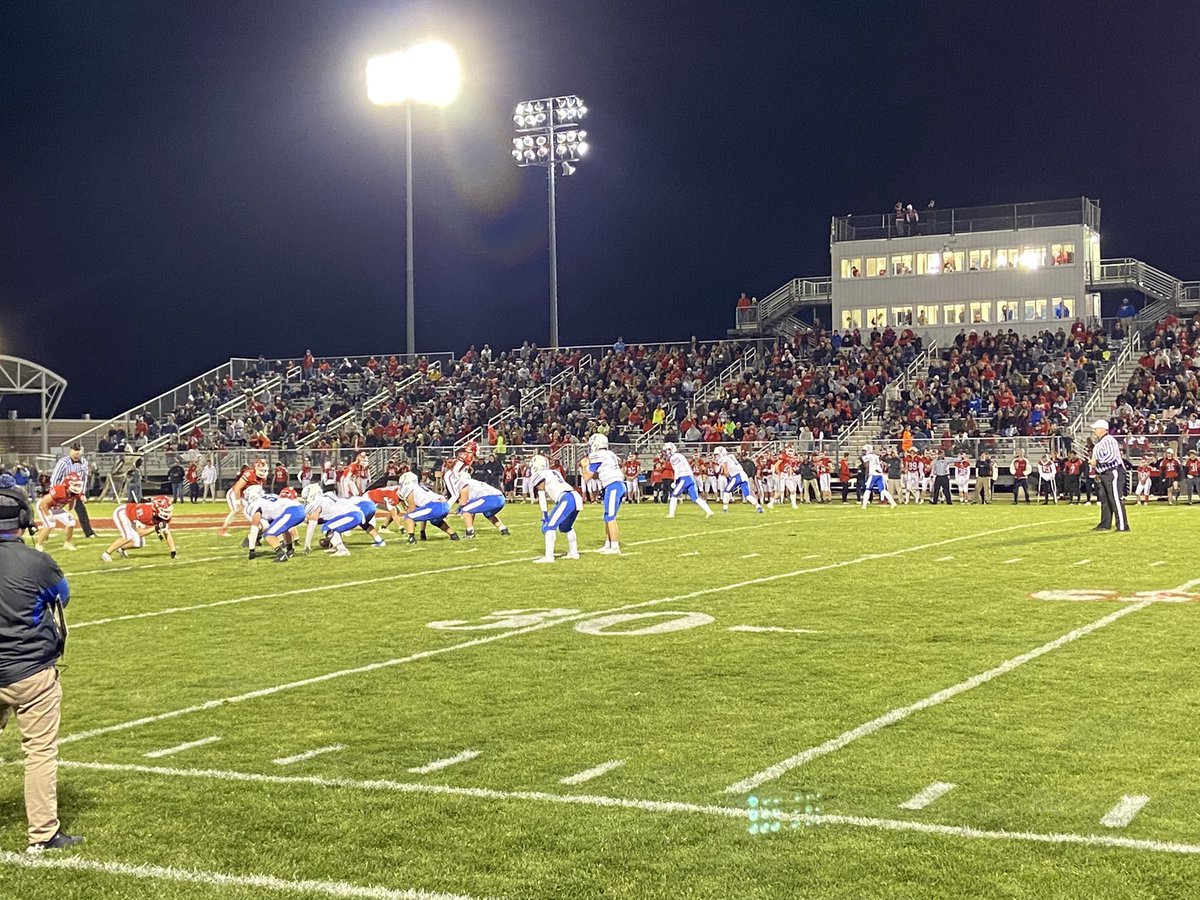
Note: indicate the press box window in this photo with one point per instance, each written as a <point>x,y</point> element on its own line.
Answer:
<point>902,316</point>
<point>1064,307</point>
<point>952,261</point>
<point>1007,311</point>
<point>877,317</point>
<point>929,263</point>
<point>1062,254</point>
<point>980,260</point>
<point>852,268</point>
<point>1007,257</point>
<point>852,318</point>
<point>902,264</point>
<point>876,266</point>
<point>927,315</point>
<point>1035,310</point>
<point>981,311</point>
<point>1033,257</point>
<point>956,313</point>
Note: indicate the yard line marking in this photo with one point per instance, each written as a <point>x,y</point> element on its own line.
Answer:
<point>1083,562</point>
<point>693,553</point>
<point>927,795</point>
<point>179,748</point>
<point>751,556</point>
<point>307,754</point>
<point>222,879</point>
<point>1122,814</point>
<point>944,559</point>
<point>762,629</point>
<point>811,556</point>
<point>529,629</point>
<point>594,772</point>
<point>174,563</point>
<point>903,712</point>
<point>1015,559</point>
<point>437,764</point>
<point>1161,562</point>
<point>155,613</point>
<point>655,806</point>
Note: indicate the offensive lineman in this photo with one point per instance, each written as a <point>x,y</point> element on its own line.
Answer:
<point>684,483</point>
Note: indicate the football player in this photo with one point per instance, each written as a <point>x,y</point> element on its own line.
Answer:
<point>684,481</point>
<point>277,516</point>
<point>548,485</point>
<point>875,479</point>
<point>136,520</point>
<point>604,467</point>
<point>248,477</point>
<point>633,467</point>
<point>57,507</point>
<point>424,506</point>
<point>475,498</point>
<point>736,480</point>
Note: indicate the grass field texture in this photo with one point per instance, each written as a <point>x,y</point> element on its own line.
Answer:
<point>823,702</point>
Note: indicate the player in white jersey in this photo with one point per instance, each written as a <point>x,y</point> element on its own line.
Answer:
<point>875,479</point>
<point>736,480</point>
<point>1047,485</point>
<point>475,498</point>
<point>277,516</point>
<point>335,516</point>
<point>604,467</point>
<point>424,506</point>
<point>548,485</point>
<point>684,483</point>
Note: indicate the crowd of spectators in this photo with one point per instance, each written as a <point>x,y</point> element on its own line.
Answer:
<point>1162,397</point>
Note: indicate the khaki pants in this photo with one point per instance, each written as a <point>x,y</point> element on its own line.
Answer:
<point>37,701</point>
<point>983,489</point>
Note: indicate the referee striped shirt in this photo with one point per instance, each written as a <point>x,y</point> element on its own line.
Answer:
<point>66,467</point>
<point>1108,454</point>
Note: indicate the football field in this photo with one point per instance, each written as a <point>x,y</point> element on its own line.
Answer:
<point>824,702</point>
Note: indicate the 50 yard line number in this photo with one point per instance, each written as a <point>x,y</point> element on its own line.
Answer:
<point>605,626</point>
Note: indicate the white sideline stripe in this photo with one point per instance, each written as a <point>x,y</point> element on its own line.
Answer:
<point>751,556</point>
<point>1015,559</point>
<point>307,754</point>
<point>174,563</point>
<point>927,795</point>
<point>1161,562</point>
<point>657,806</point>
<point>1083,562</point>
<point>763,629</point>
<point>221,879</point>
<point>1122,814</point>
<point>903,712</point>
<point>437,764</point>
<point>516,632</point>
<point>693,553</point>
<point>594,772</point>
<point>944,559</point>
<point>155,613</point>
<point>179,748</point>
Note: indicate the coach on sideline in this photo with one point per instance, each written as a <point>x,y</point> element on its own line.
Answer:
<point>33,592</point>
<point>74,464</point>
<point>1110,469</point>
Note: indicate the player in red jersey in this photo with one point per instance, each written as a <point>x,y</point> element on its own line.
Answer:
<point>1072,470</point>
<point>57,508</point>
<point>632,467</point>
<point>250,475</point>
<point>1191,468</point>
<point>1145,478</point>
<point>1171,469</point>
<point>136,520</point>
<point>352,480</point>
<point>912,477</point>
<point>388,506</point>
<point>825,477</point>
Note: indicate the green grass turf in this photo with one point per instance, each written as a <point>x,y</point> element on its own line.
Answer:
<point>1049,747</point>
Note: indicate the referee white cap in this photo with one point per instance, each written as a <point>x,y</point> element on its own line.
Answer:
<point>1101,423</point>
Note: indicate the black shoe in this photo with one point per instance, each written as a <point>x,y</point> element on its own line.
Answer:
<point>470,535</point>
<point>411,539</point>
<point>504,532</point>
<point>1102,528</point>
<point>454,535</point>
<point>424,537</point>
<point>60,841</point>
<point>253,554</point>
<point>245,543</point>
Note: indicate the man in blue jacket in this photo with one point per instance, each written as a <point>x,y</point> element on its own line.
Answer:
<point>33,592</point>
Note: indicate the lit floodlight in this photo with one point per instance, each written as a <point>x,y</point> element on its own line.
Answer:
<point>433,73</point>
<point>387,79</point>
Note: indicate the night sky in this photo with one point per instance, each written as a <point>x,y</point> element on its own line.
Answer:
<point>185,181</point>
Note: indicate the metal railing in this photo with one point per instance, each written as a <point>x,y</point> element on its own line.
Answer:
<point>1137,275</point>
<point>962,220</point>
<point>229,406</point>
<point>786,298</point>
<point>1105,384</point>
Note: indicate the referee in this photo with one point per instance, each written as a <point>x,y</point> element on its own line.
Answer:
<point>1110,467</point>
<point>74,464</point>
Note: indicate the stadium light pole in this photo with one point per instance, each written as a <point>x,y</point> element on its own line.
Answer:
<point>427,73</point>
<point>548,134</point>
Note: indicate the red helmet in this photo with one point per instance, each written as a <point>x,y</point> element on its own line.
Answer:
<point>288,493</point>
<point>162,507</point>
<point>75,484</point>
<point>260,468</point>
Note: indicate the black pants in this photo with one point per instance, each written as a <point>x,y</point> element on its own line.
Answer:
<point>845,489</point>
<point>1021,484</point>
<point>1112,504</point>
<point>941,485</point>
<point>82,516</point>
<point>1071,488</point>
